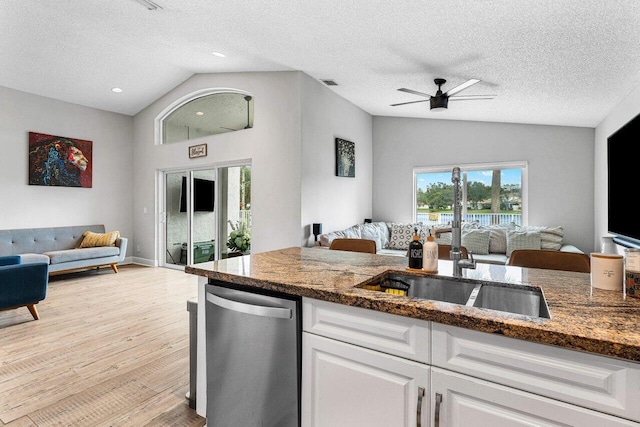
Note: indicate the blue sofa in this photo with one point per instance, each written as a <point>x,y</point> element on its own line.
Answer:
<point>58,247</point>
<point>22,285</point>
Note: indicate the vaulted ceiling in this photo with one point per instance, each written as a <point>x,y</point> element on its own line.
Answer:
<point>557,62</point>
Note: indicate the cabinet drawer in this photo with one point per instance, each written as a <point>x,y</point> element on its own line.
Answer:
<point>463,401</point>
<point>595,382</point>
<point>396,335</point>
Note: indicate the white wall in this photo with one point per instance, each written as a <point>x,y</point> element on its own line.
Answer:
<point>559,160</point>
<point>273,146</point>
<point>108,202</point>
<point>336,202</point>
<point>619,116</point>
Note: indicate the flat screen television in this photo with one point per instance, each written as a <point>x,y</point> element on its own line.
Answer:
<point>203,195</point>
<point>622,166</point>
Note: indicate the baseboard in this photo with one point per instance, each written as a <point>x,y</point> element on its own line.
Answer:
<point>144,261</point>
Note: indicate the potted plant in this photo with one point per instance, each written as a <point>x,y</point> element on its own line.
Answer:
<point>239,239</point>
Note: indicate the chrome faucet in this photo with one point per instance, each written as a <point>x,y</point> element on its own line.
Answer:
<point>456,230</point>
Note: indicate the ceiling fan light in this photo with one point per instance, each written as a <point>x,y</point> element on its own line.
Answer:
<point>439,102</point>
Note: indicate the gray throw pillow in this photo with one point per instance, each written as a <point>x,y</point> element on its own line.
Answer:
<point>498,237</point>
<point>522,240</point>
<point>476,240</point>
<point>550,237</point>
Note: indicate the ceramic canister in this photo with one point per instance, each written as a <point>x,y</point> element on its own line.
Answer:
<point>607,271</point>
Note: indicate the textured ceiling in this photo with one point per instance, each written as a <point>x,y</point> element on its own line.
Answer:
<point>563,62</point>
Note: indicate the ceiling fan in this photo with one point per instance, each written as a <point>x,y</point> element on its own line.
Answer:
<point>248,126</point>
<point>440,99</point>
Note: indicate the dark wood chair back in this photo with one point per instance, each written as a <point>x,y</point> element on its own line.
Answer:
<point>551,260</point>
<point>444,252</point>
<point>354,245</point>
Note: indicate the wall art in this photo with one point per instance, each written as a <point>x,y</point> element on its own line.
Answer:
<point>60,161</point>
<point>345,158</point>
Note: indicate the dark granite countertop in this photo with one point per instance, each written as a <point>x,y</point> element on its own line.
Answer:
<point>597,321</point>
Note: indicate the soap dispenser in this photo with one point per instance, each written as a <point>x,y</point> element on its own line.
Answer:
<point>430,255</point>
<point>415,252</point>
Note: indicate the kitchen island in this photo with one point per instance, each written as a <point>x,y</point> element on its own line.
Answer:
<point>598,323</point>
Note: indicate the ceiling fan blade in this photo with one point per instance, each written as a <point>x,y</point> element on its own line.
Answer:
<point>460,87</point>
<point>468,97</point>
<point>410,102</point>
<point>415,92</point>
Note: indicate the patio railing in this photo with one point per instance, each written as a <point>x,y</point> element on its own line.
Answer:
<point>434,218</point>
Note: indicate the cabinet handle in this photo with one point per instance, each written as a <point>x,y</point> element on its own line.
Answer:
<point>437,414</point>
<point>419,411</point>
<point>256,310</point>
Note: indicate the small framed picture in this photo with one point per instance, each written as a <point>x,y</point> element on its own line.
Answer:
<point>345,158</point>
<point>197,151</point>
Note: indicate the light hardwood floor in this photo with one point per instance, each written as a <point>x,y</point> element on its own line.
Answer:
<point>109,350</point>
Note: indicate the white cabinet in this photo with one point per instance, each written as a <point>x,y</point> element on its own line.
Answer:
<point>463,401</point>
<point>350,386</point>
<point>595,382</point>
<point>365,368</point>
<point>401,336</point>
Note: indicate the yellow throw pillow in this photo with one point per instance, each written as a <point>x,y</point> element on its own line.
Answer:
<point>92,240</point>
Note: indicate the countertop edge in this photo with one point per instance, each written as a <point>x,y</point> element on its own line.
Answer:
<point>488,321</point>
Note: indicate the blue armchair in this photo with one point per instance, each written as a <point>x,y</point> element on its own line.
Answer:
<point>22,285</point>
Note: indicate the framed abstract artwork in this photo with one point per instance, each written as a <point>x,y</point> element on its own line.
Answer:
<point>60,161</point>
<point>345,158</point>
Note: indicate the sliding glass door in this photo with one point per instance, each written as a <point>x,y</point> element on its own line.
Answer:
<point>189,217</point>
<point>206,214</point>
<point>176,227</point>
<point>235,210</point>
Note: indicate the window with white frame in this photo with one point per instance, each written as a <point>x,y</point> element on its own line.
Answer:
<point>492,193</point>
<point>203,113</point>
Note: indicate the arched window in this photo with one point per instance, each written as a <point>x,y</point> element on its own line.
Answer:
<point>204,113</point>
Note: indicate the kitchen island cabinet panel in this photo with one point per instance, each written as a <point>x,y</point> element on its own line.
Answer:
<point>602,383</point>
<point>346,385</point>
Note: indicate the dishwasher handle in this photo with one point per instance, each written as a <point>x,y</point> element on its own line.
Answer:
<point>256,310</point>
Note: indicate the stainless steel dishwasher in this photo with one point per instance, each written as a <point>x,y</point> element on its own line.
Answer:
<point>254,357</point>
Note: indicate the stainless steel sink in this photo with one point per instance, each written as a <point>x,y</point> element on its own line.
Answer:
<point>517,299</point>
<point>525,300</point>
<point>432,288</point>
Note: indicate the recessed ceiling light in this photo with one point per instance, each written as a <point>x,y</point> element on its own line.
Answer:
<point>199,113</point>
<point>219,55</point>
<point>116,90</point>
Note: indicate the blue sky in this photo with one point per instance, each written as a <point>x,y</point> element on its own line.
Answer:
<point>508,176</point>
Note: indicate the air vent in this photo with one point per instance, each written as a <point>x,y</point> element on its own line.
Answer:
<point>150,5</point>
<point>329,82</point>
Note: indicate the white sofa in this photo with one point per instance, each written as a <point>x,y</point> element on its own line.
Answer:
<point>490,244</point>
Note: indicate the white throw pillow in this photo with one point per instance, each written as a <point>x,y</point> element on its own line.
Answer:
<point>352,232</point>
<point>372,232</point>
<point>384,230</point>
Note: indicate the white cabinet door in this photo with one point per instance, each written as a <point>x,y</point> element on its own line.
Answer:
<point>462,401</point>
<point>351,386</point>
